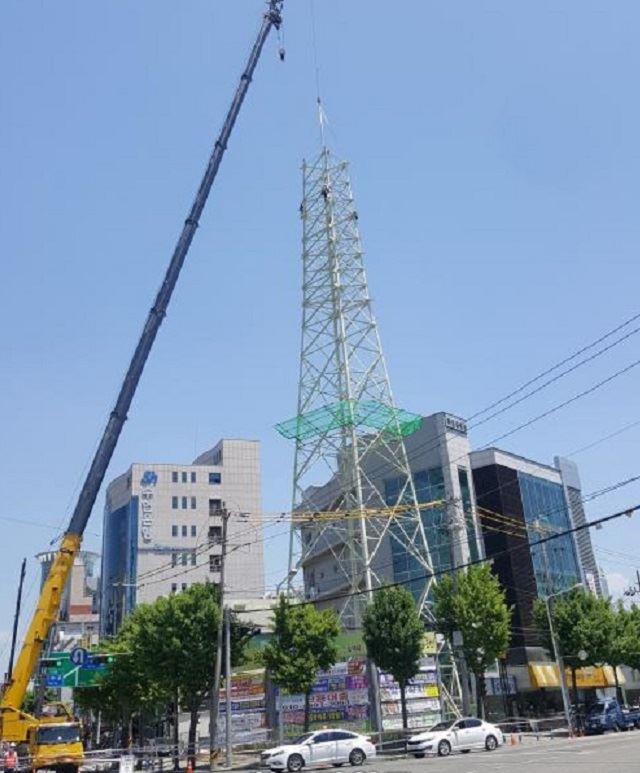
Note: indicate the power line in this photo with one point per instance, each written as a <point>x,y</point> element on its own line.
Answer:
<point>479,561</point>
<point>546,372</point>
<point>602,439</point>
<point>563,404</point>
<point>557,378</point>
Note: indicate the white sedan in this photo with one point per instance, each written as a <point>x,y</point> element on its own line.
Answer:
<point>458,735</point>
<point>324,747</point>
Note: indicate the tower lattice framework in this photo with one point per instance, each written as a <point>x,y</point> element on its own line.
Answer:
<point>349,435</point>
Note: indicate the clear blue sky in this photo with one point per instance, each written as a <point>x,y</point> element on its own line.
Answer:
<point>494,153</point>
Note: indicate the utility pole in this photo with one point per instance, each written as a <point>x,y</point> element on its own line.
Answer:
<point>214,701</point>
<point>557,654</point>
<point>16,619</point>
<point>458,556</point>
<point>227,679</point>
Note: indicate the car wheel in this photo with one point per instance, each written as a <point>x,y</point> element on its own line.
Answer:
<point>357,757</point>
<point>491,743</point>
<point>295,763</point>
<point>444,749</point>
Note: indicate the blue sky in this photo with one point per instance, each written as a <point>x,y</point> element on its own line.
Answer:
<point>495,162</point>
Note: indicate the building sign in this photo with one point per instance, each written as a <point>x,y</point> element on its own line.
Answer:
<point>147,486</point>
<point>457,425</point>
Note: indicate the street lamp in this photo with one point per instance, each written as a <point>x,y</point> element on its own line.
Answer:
<point>558,657</point>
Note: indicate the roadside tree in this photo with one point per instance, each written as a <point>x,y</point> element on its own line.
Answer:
<point>303,643</point>
<point>393,634</point>
<point>583,624</point>
<point>474,604</point>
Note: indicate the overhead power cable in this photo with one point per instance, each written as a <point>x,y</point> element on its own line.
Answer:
<point>628,512</point>
<point>546,372</point>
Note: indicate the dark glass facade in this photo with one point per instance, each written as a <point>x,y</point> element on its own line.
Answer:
<point>545,511</point>
<point>506,498</point>
<point>429,485</point>
<point>119,561</point>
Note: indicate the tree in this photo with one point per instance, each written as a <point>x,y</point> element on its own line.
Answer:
<point>474,604</point>
<point>393,634</point>
<point>167,650</point>
<point>622,643</point>
<point>583,624</point>
<point>303,643</point>
<point>176,637</point>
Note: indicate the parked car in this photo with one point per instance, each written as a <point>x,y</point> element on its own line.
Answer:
<point>608,714</point>
<point>458,735</point>
<point>320,748</point>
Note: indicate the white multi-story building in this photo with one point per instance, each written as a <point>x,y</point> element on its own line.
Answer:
<point>163,529</point>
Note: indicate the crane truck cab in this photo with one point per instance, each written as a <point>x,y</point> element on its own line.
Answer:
<point>51,741</point>
<point>55,745</point>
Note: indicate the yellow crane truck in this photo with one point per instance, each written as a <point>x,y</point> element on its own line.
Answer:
<point>54,741</point>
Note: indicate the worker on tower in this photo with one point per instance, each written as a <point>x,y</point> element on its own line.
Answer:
<point>10,759</point>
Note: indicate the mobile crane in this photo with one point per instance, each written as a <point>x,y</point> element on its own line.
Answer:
<point>54,741</point>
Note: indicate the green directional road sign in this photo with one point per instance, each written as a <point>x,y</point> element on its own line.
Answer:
<point>61,670</point>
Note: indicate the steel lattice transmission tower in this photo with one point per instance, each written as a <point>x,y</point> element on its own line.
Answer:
<point>349,435</point>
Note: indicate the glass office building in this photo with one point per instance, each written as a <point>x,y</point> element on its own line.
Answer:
<point>555,563</point>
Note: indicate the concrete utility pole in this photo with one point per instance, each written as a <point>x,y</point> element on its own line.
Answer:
<point>214,702</point>
<point>227,681</point>
<point>557,654</point>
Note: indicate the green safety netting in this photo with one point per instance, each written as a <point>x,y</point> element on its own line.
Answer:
<point>351,413</point>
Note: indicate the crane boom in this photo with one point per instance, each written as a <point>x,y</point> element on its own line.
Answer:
<point>50,596</point>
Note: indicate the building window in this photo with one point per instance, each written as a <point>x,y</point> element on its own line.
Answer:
<point>193,477</point>
<point>184,586</point>
<point>194,531</point>
<point>184,531</point>
<point>174,587</point>
<point>193,559</point>
<point>184,559</point>
<point>174,559</point>
<point>174,531</point>
<point>215,506</point>
<point>215,535</point>
<point>193,503</point>
<point>174,503</point>
<point>214,563</point>
<point>215,478</point>
<point>184,503</point>
<point>184,477</point>
<point>174,477</point>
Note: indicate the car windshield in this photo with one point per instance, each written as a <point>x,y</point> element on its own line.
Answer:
<point>597,708</point>
<point>48,734</point>
<point>442,725</point>
<point>302,738</point>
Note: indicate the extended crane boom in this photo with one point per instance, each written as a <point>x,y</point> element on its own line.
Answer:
<point>14,722</point>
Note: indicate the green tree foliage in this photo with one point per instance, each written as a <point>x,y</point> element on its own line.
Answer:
<point>393,634</point>
<point>303,643</point>
<point>474,604</point>
<point>583,624</point>
<point>633,650</point>
<point>166,651</point>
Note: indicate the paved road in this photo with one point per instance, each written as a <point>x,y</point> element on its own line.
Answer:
<point>617,753</point>
<point>600,754</point>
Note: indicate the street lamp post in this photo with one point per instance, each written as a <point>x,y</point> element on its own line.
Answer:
<point>558,656</point>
